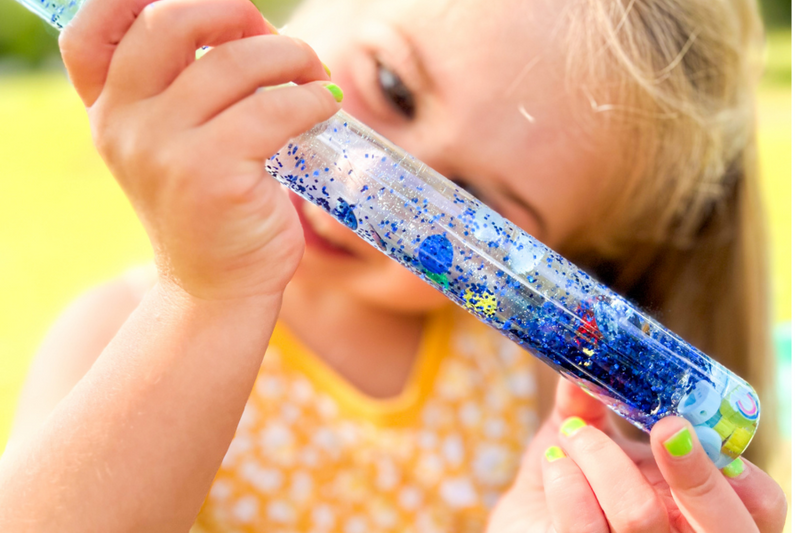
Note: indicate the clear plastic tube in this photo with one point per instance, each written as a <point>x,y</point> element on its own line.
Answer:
<point>509,280</point>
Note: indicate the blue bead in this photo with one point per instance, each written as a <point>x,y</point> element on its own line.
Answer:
<point>436,254</point>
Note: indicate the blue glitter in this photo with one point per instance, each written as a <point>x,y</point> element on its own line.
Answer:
<point>344,212</point>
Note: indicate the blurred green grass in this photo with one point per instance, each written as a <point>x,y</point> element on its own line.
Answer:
<point>66,226</point>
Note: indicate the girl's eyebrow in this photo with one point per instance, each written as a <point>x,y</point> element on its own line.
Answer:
<point>517,199</point>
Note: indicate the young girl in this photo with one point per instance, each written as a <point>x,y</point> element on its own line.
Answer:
<point>617,133</point>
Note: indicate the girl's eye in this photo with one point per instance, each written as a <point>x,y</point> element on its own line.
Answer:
<point>467,187</point>
<point>395,92</point>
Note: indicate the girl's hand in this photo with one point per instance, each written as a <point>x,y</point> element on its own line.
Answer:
<point>187,140</point>
<point>596,480</point>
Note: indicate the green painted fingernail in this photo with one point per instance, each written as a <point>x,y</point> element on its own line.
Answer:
<point>571,425</point>
<point>679,444</point>
<point>327,70</point>
<point>735,468</point>
<point>335,91</point>
<point>553,453</point>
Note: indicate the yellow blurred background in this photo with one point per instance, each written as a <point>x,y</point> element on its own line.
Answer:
<point>66,226</point>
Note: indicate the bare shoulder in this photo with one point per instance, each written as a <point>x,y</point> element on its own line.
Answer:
<point>75,341</point>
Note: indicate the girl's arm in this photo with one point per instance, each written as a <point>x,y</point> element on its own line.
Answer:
<point>71,347</point>
<point>135,444</point>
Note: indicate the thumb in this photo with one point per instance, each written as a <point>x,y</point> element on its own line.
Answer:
<point>707,501</point>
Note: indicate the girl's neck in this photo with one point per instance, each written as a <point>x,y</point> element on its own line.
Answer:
<point>371,348</point>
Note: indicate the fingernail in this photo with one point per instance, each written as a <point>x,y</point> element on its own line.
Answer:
<point>272,29</point>
<point>553,453</point>
<point>679,444</point>
<point>571,425</point>
<point>335,91</point>
<point>734,469</point>
<point>327,70</point>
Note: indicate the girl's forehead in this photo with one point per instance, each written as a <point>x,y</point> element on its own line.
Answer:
<point>501,51</point>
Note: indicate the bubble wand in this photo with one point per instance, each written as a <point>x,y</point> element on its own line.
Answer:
<point>506,278</point>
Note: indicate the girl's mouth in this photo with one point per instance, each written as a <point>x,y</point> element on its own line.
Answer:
<point>314,239</point>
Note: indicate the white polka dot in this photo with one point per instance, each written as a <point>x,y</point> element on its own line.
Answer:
<point>494,428</point>
<point>384,516</point>
<point>388,475</point>
<point>427,439</point>
<point>496,399</point>
<point>245,509</point>
<point>309,456</point>
<point>323,517</point>
<point>290,413</point>
<point>432,415</point>
<point>429,469</point>
<point>276,435</point>
<point>270,387</point>
<point>249,417</point>
<point>493,465</point>
<point>410,498</point>
<point>239,445</point>
<point>470,415</point>
<point>522,384</point>
<point>302,391</point>
<point>302,485</point>
<point>453,450</point>
<point>327,407</point>
<point>263,479</point>
<point>458,492</point>
<point>220,490</point>
<point>327,441</point>
<point>281,512</point>
<point>356,524</point>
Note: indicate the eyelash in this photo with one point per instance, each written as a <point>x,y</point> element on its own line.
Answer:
<point>395,92</point>
<point>467,187</point>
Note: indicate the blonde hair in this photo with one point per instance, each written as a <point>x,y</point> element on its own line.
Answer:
<point>674,80</point>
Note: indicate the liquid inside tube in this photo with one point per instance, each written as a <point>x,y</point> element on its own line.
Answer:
<point>506,278</point>
<point>512,282</point>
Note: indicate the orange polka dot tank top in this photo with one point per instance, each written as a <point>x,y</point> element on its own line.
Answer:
<point>313,454</point>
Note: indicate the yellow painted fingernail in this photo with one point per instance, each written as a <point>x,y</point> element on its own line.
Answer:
<point>679,444</point>
<point>571,425</point>
<point>335,90</point>
<point>734,469</point>
<point>327,70</point>
<point>553,453</point>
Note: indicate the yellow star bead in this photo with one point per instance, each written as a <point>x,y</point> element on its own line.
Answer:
<point>484,303</point>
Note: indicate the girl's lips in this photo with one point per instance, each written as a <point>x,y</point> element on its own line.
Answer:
<point>314,239</point>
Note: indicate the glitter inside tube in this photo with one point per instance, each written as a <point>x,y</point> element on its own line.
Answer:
<point>512,282</point>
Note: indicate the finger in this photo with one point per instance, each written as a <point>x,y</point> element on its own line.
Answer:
<point>259,125</point>
<point>164,38</point>
<point>571,400</point>
<point>90,39</point>
<point>628,500</point>
<point>570,500</point>
<point>236,69</point>
<point>705,497</point>
<point>760,494</point>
